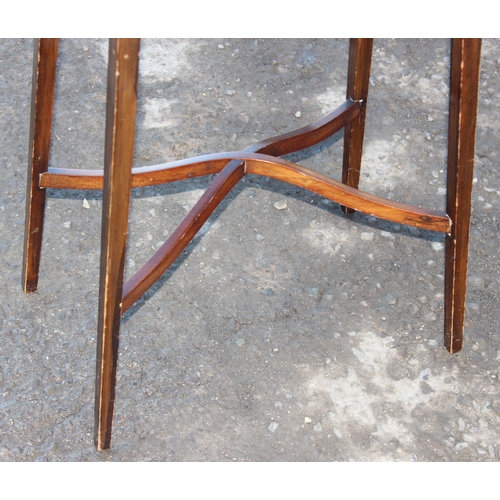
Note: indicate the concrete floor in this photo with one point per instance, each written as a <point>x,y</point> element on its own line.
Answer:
<point>287,331</point>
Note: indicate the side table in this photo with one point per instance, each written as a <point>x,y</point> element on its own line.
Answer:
<point>118,178</point>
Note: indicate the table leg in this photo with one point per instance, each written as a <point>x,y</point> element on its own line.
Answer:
<point>42,104</point>
<point>119,150</point>
<point>358,77</point>
<point>464,83</point>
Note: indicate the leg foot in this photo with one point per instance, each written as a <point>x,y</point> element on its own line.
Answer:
<point>464,83</point>
<point>42,104</point>
<point>119,150</point>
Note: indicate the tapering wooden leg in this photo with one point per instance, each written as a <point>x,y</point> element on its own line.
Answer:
<point>119,151</point>
<point>42,104</point>
<point>360,56</point>
<point>464,83</point>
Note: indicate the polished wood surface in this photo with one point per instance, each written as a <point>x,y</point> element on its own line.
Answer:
<point>42,104</point>
<point>273,167</point>
<point>464,84</point>
<point>277,168</point>
<point>310,135</point>
<point>305,137</point>
<point>119,152</point>
<point>143,279</point>
<point>358,79</point>
<point>118,178</point>
<point>354,199</point>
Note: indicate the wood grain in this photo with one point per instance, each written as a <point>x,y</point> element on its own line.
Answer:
<point>119,150</point>
<point>259,164</point>
<point>143,279</point>
<point>59,178</point>
<point>118,178</point>
<point>309,135</point>
<point>42,104</point>
<point>358,78</point>
<point>277,168</point>
<point>464,84</point>
<point>352,198</point>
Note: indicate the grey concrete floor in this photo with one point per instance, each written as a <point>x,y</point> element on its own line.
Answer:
<point>287,331</point>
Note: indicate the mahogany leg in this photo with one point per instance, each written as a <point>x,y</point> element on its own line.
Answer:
<point>464,83</point>
<point>358,77</point>
<point>42,104</point>
<point>119,149</point>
